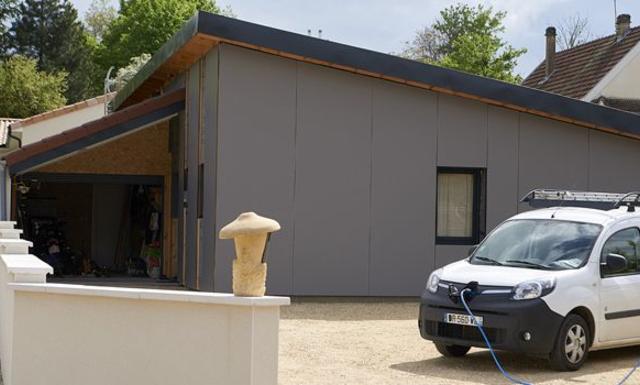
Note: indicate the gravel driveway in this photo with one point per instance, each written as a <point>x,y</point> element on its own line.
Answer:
<point>361,341</point>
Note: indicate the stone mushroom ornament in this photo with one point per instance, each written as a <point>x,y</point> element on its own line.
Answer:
<point>250,233</point>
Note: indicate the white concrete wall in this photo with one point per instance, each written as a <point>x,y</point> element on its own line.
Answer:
<point>65,334</point>
<point>52,126</point>
<point>79,335</point>
<point>14,268</point>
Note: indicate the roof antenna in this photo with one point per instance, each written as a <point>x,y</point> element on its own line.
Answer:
<point>615,10</point>
<point>319,34</point>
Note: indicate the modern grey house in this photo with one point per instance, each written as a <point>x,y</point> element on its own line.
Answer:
<point>379,169</point>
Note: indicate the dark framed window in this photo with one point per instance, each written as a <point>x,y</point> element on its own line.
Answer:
<point>460,205</point>
<point>627,244</point>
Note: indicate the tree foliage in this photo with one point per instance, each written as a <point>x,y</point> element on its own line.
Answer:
<point>7,12</point>
<point>142,26</point>
<point>49,32</point>
<point>468,39</point>
<point>98,18</point>
<point>27,91</point>
<point>125,74</point>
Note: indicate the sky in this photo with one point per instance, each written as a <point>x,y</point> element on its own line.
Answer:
<point>386,25</point>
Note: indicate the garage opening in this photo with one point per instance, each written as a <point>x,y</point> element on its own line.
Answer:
<point>95,226</point>
<point>100,201</point>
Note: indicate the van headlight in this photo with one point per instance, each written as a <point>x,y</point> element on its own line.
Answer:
<point>433,281</point>
<point>534,289</point>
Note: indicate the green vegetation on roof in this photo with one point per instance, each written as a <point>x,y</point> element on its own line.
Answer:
<point>163,54</point>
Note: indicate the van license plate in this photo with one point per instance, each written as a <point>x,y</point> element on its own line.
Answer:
<point>461,319</point>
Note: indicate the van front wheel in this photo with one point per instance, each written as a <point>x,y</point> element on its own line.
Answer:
<point>572,344</point>
<point>452,350</point>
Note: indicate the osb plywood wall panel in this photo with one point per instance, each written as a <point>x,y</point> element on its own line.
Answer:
<point>145,152</point>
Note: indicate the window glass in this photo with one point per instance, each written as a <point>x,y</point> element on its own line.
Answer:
<point>455,204</point>
<point>539,244</point>
<point>625,243</point>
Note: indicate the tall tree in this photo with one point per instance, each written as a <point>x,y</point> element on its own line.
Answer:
<point>49,32</point>
<point>468,39</point>
<point>7,12</point>
<point>573,31</point>
<point>27,91</point>
<point>144,25</point>
<point>98,17</point>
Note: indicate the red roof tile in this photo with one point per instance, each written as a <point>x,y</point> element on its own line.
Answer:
<point>579,69</point>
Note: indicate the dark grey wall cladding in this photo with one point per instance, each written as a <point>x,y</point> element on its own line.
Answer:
<point>193,119</point>
<point>210,152</point>
<point>403,197</point>
<point>348,163</point>
<point>502,167</point>
<point>333,178</point>
<point>551,154</point>
<point>613,163</point>
<point>462,132</point>
<point>256,155</point>
<point>446,254</point>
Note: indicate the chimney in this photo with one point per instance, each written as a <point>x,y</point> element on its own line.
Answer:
<point>550,54</point>
<point>623,23</point>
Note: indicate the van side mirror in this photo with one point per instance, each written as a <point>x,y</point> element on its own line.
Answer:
<point>614,263</point>
<point>472,249</point>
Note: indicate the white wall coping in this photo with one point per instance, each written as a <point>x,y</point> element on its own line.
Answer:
<point>151,294</point>
<point>25,264</point>
<point>18,241</point>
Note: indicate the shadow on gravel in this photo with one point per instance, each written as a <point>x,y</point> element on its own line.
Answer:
<point>478,367</point>
<point>352,309</point>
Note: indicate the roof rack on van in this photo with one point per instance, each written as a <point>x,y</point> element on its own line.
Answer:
<point>540,198</point>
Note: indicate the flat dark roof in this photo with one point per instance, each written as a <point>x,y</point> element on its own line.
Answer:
<point>204,30</point>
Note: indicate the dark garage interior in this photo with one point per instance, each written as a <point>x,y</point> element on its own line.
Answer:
<point>111,227</point>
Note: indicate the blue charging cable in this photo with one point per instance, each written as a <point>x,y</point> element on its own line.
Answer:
<point>630,373</point>
<point>497,361</point>
<point>486,341</point>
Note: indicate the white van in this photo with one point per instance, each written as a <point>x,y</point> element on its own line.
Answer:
<point>555,282</point>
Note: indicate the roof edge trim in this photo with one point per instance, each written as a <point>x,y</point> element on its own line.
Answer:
<point>400,70</point>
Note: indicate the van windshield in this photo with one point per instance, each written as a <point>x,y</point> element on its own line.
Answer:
<point>538,244</point>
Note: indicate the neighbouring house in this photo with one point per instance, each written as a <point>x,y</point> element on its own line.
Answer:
<point>49,123</point>
<point>379,169</point>
<point>603,71</point>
